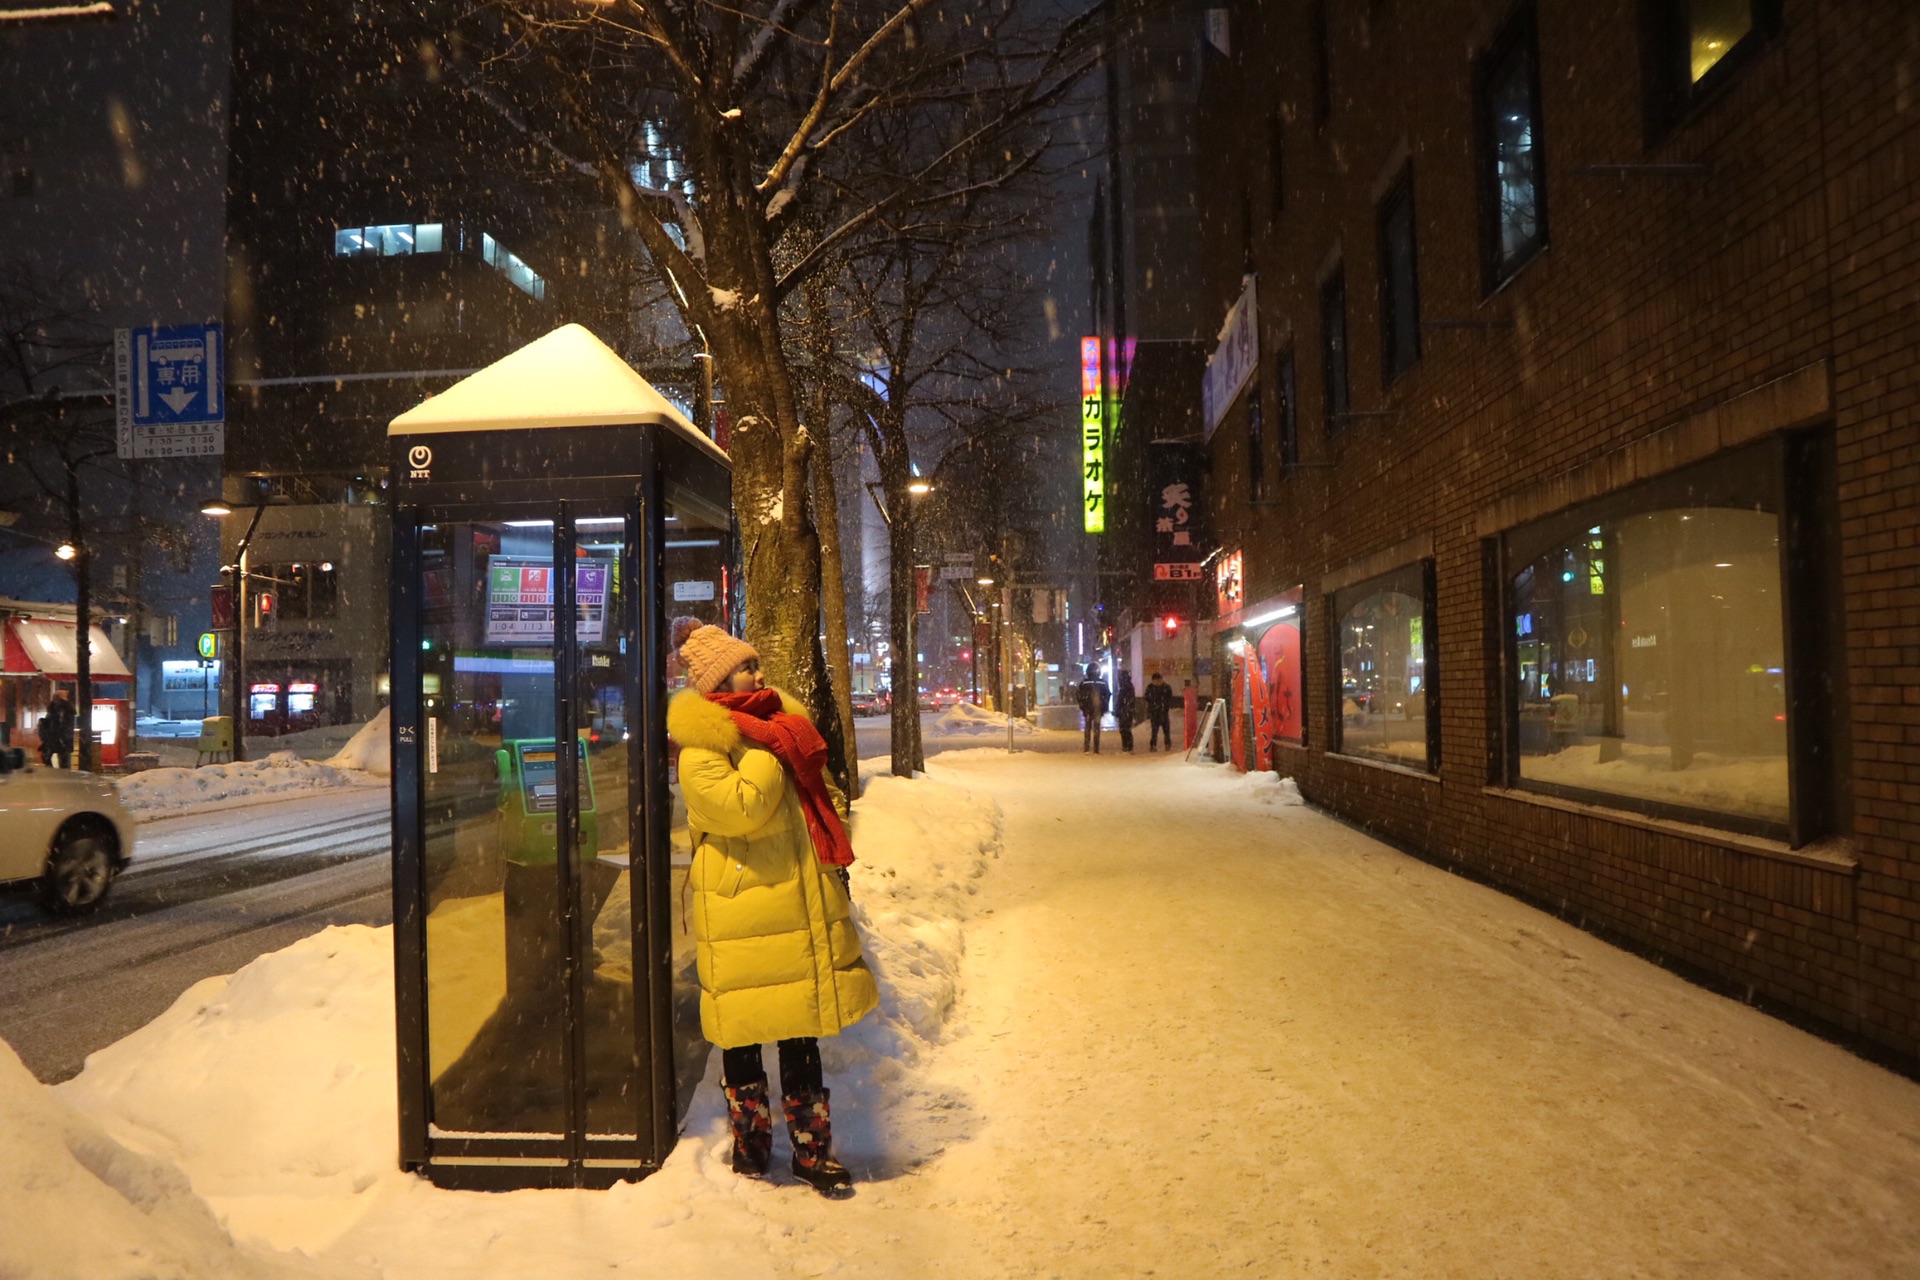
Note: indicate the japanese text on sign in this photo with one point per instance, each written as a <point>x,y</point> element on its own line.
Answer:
<point>1093,463</point>
<point>520,600</point>
<point>167,391</point>
<point>1177,572</point>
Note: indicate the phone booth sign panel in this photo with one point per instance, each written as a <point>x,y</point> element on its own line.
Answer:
<point>546,1003</point>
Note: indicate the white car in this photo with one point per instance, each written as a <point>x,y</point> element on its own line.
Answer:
<point>62,829</point>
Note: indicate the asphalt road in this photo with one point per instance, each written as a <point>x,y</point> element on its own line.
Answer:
<point>204,895</point>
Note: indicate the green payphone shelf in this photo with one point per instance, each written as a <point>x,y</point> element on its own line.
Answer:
<point>529,801</point>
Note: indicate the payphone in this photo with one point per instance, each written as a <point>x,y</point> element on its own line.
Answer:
<point>547,1008</point>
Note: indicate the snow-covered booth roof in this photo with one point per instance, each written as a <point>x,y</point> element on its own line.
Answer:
<point>567,379</point>
<point>562,417</point>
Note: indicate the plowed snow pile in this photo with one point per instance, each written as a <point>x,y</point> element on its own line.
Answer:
<point>174,791</point>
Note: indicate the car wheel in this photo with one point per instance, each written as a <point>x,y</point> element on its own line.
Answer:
<point>78,874</point>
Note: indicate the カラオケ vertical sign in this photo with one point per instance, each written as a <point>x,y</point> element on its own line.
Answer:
<point>1093,438</point>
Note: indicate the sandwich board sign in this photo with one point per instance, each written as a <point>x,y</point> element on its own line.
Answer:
<point>169,391</point>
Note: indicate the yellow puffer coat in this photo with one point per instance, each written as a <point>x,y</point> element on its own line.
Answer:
<point>773,933</point>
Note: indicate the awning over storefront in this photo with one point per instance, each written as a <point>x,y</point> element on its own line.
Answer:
<point>45,647</point>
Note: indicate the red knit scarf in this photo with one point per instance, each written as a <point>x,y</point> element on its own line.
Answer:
<point>803,752</point>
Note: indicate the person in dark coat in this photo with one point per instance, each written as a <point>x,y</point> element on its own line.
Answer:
<point>56,732</point>
<point>1159,711</point>
<point>1123,700</point>
<point>1094,698</point>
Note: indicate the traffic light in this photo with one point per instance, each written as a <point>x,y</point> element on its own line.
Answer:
<point>1170,625</point>
<point>262,608</point>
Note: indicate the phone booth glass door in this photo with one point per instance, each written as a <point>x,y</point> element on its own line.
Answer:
<point>497,824</point>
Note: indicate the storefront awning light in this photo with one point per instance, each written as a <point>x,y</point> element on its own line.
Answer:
<point>1284,611</point>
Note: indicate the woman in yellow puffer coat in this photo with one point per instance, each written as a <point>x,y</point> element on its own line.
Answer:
<point>778,955</point>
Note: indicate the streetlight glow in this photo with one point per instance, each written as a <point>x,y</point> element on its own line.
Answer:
<point>65,551</point>
<point>215,507</point>
<point>918,487</point>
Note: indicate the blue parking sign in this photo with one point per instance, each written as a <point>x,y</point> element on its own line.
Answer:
<point>169,384</point>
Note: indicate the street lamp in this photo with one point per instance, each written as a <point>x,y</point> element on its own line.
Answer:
<point>217,508</point>
<point>65,551</point>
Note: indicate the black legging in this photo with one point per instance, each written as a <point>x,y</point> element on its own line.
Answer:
<point>799,1065</point>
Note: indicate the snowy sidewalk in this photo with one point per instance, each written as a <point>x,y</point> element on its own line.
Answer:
<point>1212,1038</point>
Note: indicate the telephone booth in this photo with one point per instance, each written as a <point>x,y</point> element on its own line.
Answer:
<point>548,511</point>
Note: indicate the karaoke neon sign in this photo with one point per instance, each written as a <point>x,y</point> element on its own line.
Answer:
<point>1093,439</point>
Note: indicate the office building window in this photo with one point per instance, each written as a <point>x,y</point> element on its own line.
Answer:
<point>1513,196</point>
<point>1695,45</point>
<point>1386,669</point>
<point>1399,280</point>
<point>1333,349</point>
<point>298,592</point>
<point>390,240</point>
<point>513,267</point>
<point>1648,649</point>
<point>1284,409</point>
<point>1714,28</point>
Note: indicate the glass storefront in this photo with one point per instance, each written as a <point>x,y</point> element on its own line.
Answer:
<point>1384,641</point>
<point>1649,658</point>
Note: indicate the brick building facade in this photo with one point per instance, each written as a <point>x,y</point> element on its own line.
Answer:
<point>1600,578</point>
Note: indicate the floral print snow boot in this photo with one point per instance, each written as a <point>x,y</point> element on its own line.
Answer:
<point>751,1119</point>
<point>810,1129</point>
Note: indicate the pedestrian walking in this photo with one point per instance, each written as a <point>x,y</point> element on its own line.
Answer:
<point>1094,698</point>
<point>1159,711</point>
<point>775,945</point>
<point>56,732</point>
<point>1123,702</point>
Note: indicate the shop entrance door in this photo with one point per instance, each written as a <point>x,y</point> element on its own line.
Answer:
<point>532,828</point>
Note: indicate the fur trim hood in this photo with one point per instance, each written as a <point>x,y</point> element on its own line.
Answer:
<point>694,720</point>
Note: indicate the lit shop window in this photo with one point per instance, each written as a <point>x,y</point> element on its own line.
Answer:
<point>392,240</point>
<point>1648,645</point>
<point>513,267</point>
<point>1386,670</point>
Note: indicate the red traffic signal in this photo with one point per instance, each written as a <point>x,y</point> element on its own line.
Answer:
<point>1170,625</point>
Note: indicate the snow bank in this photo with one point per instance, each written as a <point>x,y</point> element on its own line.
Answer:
<point>74,1202</point>
<point>966,718</point>
<point>272,1087</point>
<point>1261,787</point>
<point>370,750</point>
<point>273,1091</point>
<point>171,791</point>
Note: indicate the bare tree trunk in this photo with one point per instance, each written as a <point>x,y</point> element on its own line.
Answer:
<point>833,592</point>
<point>902,620</point>
<point>902,601</point>
<point>826,519</point>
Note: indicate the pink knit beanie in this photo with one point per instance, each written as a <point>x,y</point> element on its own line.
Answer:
<point>709,654</point>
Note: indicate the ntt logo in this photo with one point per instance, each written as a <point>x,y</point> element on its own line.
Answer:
<point>420,458</point>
